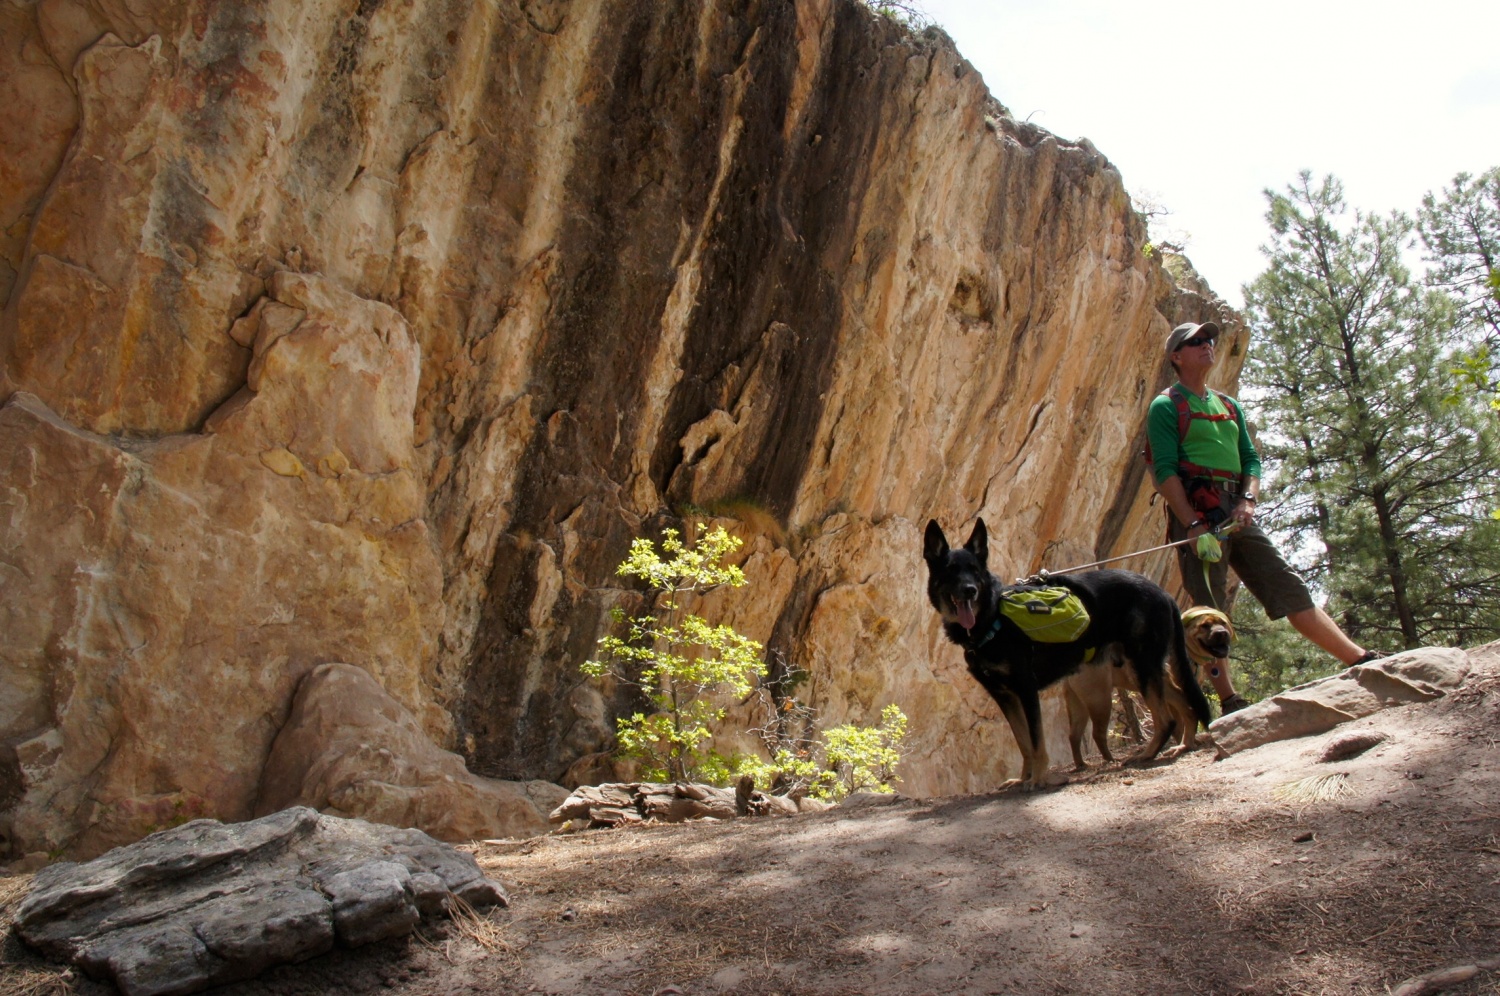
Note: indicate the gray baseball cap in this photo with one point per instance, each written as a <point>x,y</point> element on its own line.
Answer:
<point>1186,331</point>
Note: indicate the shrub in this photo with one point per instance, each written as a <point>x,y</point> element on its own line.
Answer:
<point>684,666</point>
<point>839,761</point>
<point>677,659</point>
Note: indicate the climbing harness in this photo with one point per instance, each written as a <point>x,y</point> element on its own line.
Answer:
<point>1185,417</point>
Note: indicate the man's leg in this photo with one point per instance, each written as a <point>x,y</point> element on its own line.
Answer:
<point>1320,630</point>
<point>1281,590</point>
<point>1218,676</point>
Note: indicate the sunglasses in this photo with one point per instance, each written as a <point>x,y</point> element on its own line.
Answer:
<point>1196,342</point>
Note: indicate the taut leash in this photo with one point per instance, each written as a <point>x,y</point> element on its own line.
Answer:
<point>1220,533</point>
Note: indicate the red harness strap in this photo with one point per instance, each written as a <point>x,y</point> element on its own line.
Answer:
<point>1185,416</point>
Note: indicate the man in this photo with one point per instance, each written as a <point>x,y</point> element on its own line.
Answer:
<point>1210,473</point>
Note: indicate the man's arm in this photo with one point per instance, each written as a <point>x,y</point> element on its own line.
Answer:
<point>1244,509</point>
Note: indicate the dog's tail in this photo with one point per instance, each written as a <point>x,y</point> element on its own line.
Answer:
<point>1187,675</point>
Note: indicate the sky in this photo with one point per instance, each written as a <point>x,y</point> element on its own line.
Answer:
<point>1204,105</point>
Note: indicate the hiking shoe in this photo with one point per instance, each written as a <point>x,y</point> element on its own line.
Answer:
<point>1232,704</point>
<point>1369,656</point>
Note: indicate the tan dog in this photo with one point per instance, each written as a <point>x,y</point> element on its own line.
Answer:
<point>1089,694</point>
<point>1209,634</point>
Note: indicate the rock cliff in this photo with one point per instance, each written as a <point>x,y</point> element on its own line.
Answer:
<point>371,331</point>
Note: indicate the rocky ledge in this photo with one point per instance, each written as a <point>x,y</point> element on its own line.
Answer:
<point>208,903</point>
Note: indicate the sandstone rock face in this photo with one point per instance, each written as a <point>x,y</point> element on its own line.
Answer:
<point>374,335</point>
<point>165,596</point>
<point>204,903</point>
<point>349,749</point>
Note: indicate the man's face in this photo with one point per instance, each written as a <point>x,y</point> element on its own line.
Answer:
<point>1195,355</point>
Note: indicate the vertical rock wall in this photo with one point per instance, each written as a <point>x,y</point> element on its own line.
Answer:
<point>372,331</point>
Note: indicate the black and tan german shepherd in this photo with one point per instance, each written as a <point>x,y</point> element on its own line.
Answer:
<point>1127,613</point>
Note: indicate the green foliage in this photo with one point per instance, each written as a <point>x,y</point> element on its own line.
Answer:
<point>1473,373</point>
<point>685,667</point>
<point>1460,229</point>
<point>865,758</point>
<point>839,761</point>
<point>677,659</point>
<point>1383,474</point>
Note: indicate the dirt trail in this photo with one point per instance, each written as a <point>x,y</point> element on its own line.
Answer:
<point>1269,872</point>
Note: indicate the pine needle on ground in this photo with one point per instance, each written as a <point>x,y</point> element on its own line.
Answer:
<point>16,981</point>
<point>1318,788</point>
<point>469,922</point>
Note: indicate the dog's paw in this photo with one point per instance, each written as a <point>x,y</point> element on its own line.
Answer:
<point>1051,779</point>
<point>1009,784</point>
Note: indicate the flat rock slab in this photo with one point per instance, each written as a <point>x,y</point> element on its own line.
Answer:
<point>1318,706</point>
<point>622,803</point>
<point>208,903</point>
<point>617,804</point>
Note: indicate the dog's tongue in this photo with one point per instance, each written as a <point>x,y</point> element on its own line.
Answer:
<point>965,612</point>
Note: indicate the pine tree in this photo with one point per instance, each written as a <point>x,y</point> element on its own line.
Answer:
<point>1461,231</point>
<point>1382,473</point>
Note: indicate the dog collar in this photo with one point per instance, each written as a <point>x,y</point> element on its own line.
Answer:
<point>988,635</point>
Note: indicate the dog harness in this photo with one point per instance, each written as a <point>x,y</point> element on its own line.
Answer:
<point>1045,614</point>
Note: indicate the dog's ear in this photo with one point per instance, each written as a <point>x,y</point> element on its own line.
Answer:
<point>979,542</point>
<point>934,543</point>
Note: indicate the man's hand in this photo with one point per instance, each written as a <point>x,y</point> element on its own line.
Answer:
<point>1244,512</point>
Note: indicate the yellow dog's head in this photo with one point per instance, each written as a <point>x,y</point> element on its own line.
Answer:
<point>1209,633</point>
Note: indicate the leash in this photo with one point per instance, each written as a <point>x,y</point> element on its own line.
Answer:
<point>1219,533</point>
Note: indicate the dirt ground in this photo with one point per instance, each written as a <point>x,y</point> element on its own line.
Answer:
<point>1268,872</point>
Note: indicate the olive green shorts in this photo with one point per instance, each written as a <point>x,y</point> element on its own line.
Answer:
<point>1272,581</point>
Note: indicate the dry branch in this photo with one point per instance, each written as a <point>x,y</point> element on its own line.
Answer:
<point>1441,978</point>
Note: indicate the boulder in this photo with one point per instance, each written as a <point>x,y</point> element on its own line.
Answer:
<point>351,750</point>
<point>1318,706</point>
<point>207,903</point>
